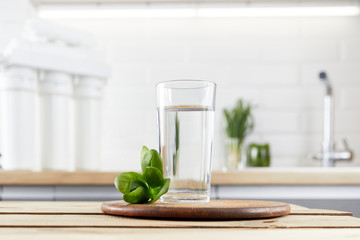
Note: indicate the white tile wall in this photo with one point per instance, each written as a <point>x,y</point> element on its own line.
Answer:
<point>272,62</point>
<point>311,50</point>
<point>258,74</point>
<point>349,97</point>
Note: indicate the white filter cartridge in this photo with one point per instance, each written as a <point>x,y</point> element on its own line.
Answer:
<point>18,113</point>
<point>55,101</point>
<point>88,98</point>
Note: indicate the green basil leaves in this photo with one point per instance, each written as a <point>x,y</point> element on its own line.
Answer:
<point>146,188</point>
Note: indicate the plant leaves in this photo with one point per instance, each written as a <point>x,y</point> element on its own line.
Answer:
<point>144,150</point>
<point>136,183</point>
<point>239,121</point>
<point>152,159</point>
<point>123,181</point>
<point>139,188</point>
<point>161,191</point>
<point>139,195</point>
<point>153,177</point>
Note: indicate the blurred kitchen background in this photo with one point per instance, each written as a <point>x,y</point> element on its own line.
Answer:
<point>268,59</point>
<point>273,62</point>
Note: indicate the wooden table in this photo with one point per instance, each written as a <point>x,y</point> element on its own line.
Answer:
<point>84,220</point>
<point>248,176</point>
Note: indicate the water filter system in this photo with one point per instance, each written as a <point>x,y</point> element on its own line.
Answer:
<point>88,95</point>
<point>51,89</point>
<point>55,98</point>
<point>19,117</point>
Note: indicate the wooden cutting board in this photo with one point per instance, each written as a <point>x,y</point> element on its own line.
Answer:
<point>215,209</point>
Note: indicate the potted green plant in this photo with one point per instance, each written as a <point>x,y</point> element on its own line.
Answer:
<point>239,123</point>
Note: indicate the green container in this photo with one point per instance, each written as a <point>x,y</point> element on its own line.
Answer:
<point>258,155</point>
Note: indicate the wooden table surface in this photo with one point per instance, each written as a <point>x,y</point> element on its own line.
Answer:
<point>84,220</point>
<point>248,176</point>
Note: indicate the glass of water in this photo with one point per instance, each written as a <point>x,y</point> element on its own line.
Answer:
<point>186,134</point>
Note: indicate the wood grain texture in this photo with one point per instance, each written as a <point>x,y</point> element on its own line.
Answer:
<point>56,178</point>
<point>175,234</point>
<point>95,208</point>
<point>215,209</point>
<point>74,220</point>
<point>324,212</point>
<point>109,221</point>
<point>302,176</point>
<point>50,207</point>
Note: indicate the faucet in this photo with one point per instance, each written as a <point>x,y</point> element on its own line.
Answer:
<point>328,155</point>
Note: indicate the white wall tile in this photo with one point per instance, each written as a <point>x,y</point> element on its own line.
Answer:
<point>122,153</point>
<point>350,97</point>
<point>227,95</point>
<point>347,121</point>
<point>331,27</point>
<point>127,122</point>
<point>165,72</point>
<point>145,52</point>
<point>276,122</point>
<point>150,122</point>
<point>260,75</point>
<point>130,98</point>
<point>284,98</point>
<point>225,52</point>
<point>311,122</point>
<point>352,50</point>
<point>127,75</point>
<point>301,51</point>
<point>262,27</point>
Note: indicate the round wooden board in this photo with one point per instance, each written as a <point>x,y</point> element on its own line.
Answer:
<point>215,209</point>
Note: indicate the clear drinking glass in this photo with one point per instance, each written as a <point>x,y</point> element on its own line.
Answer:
<point>186,134</point>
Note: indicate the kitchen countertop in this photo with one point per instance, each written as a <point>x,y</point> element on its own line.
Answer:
<point>248,176</point>
<point>84,220</point>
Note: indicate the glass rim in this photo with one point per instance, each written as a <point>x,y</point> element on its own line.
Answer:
<point>191,81</point>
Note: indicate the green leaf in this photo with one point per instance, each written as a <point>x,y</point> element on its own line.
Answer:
<point>123,181</point>
<point>153,177</point>
<point>139,188</point>
<point>134,184</point>
<point>139,195</point>
<point>144,150</point>
<point>152,159</point>
<point>239,121</point>
<point>145,161</point>
<point>161,191</point>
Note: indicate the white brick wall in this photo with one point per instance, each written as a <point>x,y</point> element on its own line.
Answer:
<point>272,62</point>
